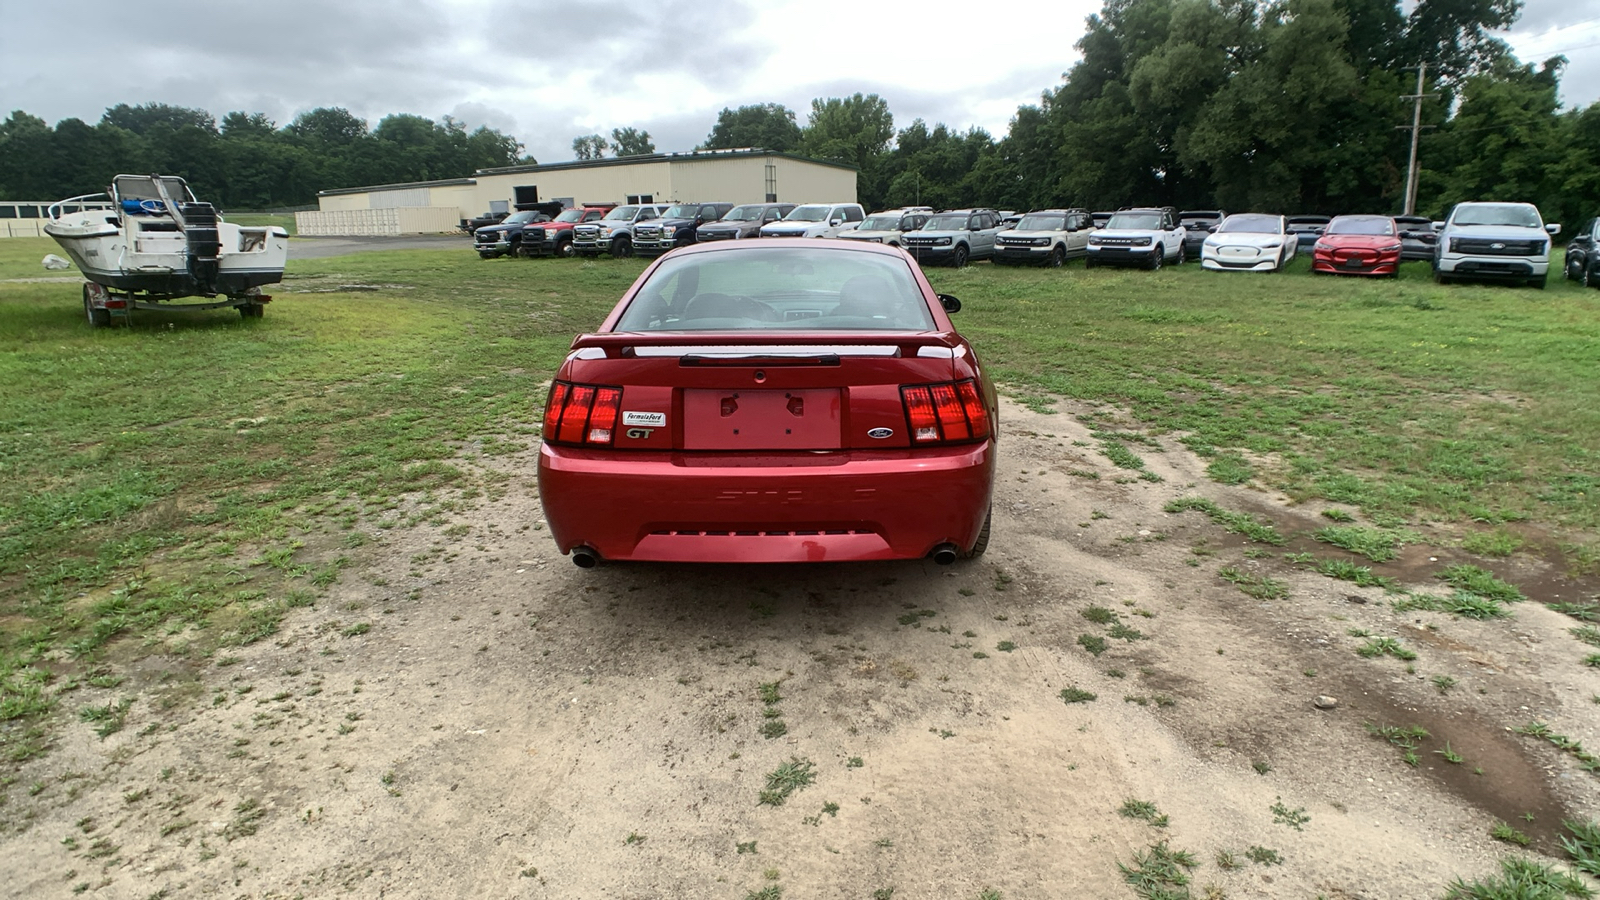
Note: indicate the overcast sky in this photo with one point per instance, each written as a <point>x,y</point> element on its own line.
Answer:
<point>547,72</point>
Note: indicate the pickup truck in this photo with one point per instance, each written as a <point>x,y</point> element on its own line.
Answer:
<point>676,227</point>
<point>743,222</point>
<point>1494,242</point>
<point>504,238</point>
<point>955,236</point>
<point>613,234</point>
<point>554,238</point>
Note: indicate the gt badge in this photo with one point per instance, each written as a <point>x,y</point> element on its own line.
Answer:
<point>880,433</point>
<point>637,434</point>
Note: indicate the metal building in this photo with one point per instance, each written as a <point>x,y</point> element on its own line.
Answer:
<point>736,176</point>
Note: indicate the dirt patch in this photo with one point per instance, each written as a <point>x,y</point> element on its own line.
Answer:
<point>467,713</point>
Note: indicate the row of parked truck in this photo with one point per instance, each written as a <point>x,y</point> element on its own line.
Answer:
<point>1146,237</point>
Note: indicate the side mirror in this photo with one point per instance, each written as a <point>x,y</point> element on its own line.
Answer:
<point>950,304</point>
<point>1553,228</point>
<point>1438,226</point>
<point>835,221</point>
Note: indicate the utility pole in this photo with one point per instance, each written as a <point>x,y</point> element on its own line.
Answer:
<point>1416,127</point>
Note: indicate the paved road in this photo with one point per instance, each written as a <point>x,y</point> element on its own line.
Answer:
<point>320,247</point>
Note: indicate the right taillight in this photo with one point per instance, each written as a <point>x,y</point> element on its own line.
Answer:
<point>581,413</point>
<point>945,413</point>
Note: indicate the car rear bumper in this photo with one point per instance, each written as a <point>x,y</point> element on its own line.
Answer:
<point>781,507</point>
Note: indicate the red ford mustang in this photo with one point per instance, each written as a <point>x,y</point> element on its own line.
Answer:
<point>772,401</point>
<point>1358,245</point>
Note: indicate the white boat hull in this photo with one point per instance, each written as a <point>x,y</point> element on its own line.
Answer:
<point>158,264</point>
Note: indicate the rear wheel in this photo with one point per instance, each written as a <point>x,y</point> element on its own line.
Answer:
<point>1058,257</point>
<point>98,318</point>
<point>982,543</point>
<point>959,260</point>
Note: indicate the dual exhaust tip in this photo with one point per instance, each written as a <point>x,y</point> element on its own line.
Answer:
<point>587,558</point>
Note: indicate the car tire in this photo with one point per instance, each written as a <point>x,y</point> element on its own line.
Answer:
<point>1090,262</point>
<point>487,255</point>
<point>1538,283</point>
<point>622,247</point>
<point>959,258</point>
<point>1182,255</point>
<point>982,543</point>
<point>1587,280</point>
<point>564,249</point>
<point>1440,277</point>
<point>1154,263</point>
<point>1058,257</point>
<point>98,318</point>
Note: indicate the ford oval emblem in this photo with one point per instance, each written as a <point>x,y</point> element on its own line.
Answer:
<point>1497,246</point>
<point>880,433</point>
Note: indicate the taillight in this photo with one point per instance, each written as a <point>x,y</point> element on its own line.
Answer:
<point>945,413</point>
<point>581,413</point>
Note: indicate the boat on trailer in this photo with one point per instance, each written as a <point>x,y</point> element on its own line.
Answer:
<point>156,244</point>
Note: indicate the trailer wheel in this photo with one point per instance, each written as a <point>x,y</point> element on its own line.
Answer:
<point>98,318</point>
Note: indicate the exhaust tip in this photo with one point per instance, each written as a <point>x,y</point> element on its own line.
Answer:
<point>945,554</point>
<point>585,558</point>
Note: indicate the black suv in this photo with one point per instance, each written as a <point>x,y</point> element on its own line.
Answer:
<point>743,221</point>
<point>1582,263</point>
<point>676,227</point>
<point>1198,224</point>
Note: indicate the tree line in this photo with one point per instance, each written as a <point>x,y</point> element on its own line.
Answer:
<point>244,162</point>
<point>1275,105</point>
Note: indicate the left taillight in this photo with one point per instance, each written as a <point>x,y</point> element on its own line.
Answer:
<point>950,412</point>
<point>584,414</point>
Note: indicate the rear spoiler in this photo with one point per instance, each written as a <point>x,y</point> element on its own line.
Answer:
<point>767,345</point>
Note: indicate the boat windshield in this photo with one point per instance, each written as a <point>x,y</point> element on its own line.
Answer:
<point>143,187</point>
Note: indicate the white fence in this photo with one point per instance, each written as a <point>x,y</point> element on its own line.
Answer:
<point>10,228</point>
<point>377,222</point>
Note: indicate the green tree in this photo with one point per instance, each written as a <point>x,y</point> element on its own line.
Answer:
<point>853,130</point>
<point>590,146</point>
<point>150,117</point>
<point>769,126</point>
<point>632,142</point>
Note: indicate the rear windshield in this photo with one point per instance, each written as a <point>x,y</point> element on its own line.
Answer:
<point>1251,225</point>
<point>779,288</point>
<point>1495,214</point>
<point>1361,225</point>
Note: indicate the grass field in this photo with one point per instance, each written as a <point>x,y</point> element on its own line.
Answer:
<point>139,466</point>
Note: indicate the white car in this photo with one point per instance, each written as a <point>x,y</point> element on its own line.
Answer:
<point>1250,242</point>
<point>1137,237</point>
<point>816,220</point>
<point>890,225</point>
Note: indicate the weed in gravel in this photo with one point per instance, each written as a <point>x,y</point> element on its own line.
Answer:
<point>1477,581</point>
<point>1263,856</point>
<point>1504,832</point>
<point>1360,576</point>
<point>1226,861</point>
<point>770,892</point>
<point>1005,646</point>
<point>1232,522</point>
<point>1583,846</point>
<point>1407,737</point>
<point>1496,543</point>
<point>247,816</point>
<point>1442,683</point>
<point>1382,646</point>
<point>1592,660</point>
<point>1375,544</point>
<point>109,718</point>
<point>1099,615</point>
<point>1123,632</point>
<point>1588,634</point>
<point>1464,604</point>
<point>786,779</point>
<point>1258,586</point>
<point>768,692</point>
<point>854,762</point>
<point>1586,760</point>
<point>1583,612</point>
<point>1230,468</point>
<point>1337,515</point>
<point>1144,810</point>
<point>1159,873</point>
<point>1294,818</point>
<point>1450,756</point>
<point>1074,695</point>
<point>1261,766</point>
<point>1092,643</point>
<point>774,728</point>
<point>1521,879</point>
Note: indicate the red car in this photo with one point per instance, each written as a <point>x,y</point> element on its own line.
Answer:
<point>1358,245</point>
<point>785,400</point>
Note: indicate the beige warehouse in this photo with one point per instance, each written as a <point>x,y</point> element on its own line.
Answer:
<point>735,176</point>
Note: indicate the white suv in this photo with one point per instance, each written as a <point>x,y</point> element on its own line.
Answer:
<point>1494,242</point>
<point>889,226</point>
<point>1137,237</point>
<point>816,220</point>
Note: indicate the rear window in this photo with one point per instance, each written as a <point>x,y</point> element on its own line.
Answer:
<point>780,288</point>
